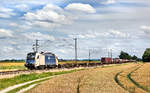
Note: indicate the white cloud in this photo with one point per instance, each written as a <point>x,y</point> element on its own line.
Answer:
<point>87,35</point>
<point>95,34</point>
<point>49,16</point>
<point>116,34</point>
<point>38,35</point>
<point>23,7</point>
<point>145,33</point>
<point>79,7</point>
<point>4,15</point>
<point>146,29</point>
<point>123,19</point>
<point>20,27</point>
<point>6,12</point>
<point>110,2</point>
<point>5,33</point>
<point>7,49</point>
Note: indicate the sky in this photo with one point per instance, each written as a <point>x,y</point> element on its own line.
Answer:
<point>98,25</point>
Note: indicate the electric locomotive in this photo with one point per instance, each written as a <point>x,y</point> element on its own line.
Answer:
<point>41,60</point>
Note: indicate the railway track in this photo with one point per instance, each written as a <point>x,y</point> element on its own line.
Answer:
<point>66,66</point>
<point>13,72</point>
<point>42,70</point>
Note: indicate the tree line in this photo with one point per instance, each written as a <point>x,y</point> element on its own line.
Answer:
<point>125,55</point>
<point>145,57</point>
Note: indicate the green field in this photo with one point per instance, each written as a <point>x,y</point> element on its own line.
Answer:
<point>20,65</point>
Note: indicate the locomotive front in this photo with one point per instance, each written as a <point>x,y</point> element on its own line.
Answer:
<point>30,60</point>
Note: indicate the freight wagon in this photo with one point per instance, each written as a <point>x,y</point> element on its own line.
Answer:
<point>106,60</point>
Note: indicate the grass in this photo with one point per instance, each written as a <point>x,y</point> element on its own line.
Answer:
<point>25,86</point>
<point>6,82</point>
<point>11,65</point>
<point>20,65</point>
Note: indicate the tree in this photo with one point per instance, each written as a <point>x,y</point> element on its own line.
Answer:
<point>124,55</point>
<point>146,55</point>
<point>134,57</point>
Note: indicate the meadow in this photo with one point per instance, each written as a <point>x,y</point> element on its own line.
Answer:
<point>12,65</point>
<point>20,65</point>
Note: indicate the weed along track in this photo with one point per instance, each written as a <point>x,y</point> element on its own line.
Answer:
<point>126,82</point>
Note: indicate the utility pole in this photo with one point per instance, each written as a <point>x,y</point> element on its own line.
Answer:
<point>75,50</point>
<point>36,46</point>
<point>89,55</point>
<point>111,55</point>
<point>108,52</point>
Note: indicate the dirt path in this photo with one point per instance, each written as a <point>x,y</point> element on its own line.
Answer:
<point>22,84</point>
<point>98,80</point>
<point>29,82</point>
<point>125,81</point>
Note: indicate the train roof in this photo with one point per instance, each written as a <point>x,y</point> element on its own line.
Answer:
<point>43,53</point>
<point>47,53</point>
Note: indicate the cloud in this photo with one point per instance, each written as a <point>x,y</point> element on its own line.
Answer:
<point>87,35</point>
<point>112,26</point>
<point>20,27</point>
<point>117,34</point>
<point>6,12</point>
<point>112,33</point>
<point>5,33</point>
<point>146,29</point>
<point>79,7</point>
<point>38,35</point>
<point>145,33</point>
<point>49,16</point>
<point>7,49</point>
<point>110,2</point>
<point>23,7</point>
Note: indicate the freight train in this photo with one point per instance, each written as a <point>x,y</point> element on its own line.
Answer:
<point>44,60</point>
<point>108,60</point>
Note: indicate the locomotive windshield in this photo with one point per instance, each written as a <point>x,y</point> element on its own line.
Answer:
<point>31,56</point>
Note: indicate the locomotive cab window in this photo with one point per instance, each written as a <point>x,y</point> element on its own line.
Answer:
<point>37,57</point>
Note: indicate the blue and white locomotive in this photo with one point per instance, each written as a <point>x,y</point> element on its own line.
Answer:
<point>42,60</point>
